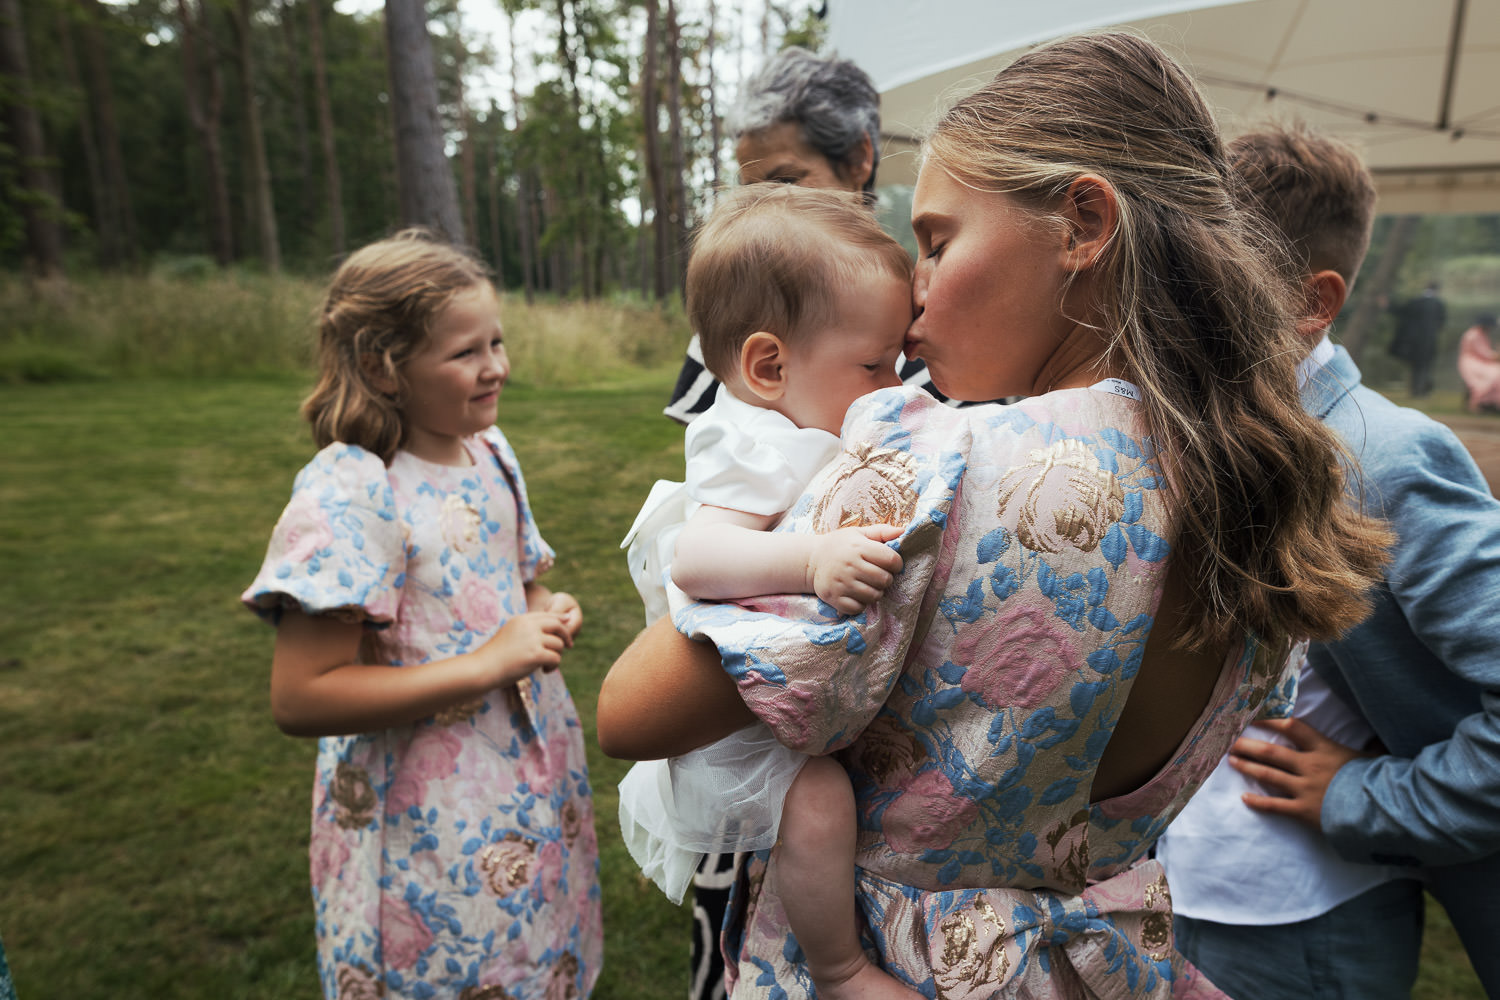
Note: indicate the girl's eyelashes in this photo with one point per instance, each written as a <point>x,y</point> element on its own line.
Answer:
<point>934,251</point>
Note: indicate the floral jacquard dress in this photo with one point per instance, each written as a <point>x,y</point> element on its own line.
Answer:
<point>972,703</point>
<point>454,857</point>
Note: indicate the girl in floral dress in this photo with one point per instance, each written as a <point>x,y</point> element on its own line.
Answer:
<point>453,849</point>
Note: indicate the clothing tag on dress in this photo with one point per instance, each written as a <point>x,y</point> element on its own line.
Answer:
<point>1118,387</point>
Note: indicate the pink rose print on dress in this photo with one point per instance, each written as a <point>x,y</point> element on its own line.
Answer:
<point>404,935</point>
<point>328,854</point>
<point>1016,659</point>
<point>786,710</point>
<point>1063,499</point>
<point>549,864</point>
<point>307,528</point>
<point>478,605</point>
<point>430,758</point>
<point>927,816</point>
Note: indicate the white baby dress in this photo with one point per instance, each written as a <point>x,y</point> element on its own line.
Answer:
<point>725,797</point>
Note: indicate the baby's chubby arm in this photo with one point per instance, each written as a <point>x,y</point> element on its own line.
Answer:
<point>723,554</point>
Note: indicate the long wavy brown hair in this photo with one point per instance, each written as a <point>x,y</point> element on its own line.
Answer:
<point>1198,311</point>
<point>378,310</point>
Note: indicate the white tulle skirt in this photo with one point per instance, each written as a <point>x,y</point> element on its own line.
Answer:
<point>722,798</point>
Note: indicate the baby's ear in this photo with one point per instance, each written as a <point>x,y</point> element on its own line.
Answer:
<point>374,369</point>
<point>763,365</point>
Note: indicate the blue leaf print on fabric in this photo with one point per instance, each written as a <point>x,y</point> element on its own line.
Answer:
<point>993,545</point>
<point>1113,546</point>
<point>1134,507</point>
<point>966,609</point>
<point>1104,661</point>
<point>1059,791</point>
<point>1148,546</point>
<point>1004,581</point>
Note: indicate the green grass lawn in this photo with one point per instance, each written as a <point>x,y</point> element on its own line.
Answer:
<point>154,820</point>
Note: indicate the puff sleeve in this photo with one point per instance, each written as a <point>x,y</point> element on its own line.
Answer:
<point>534,555</point>
<point>339,546</point>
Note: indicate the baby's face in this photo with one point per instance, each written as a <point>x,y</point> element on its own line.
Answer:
<point>829,369</point>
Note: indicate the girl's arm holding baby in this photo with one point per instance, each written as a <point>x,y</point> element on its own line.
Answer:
<point>724,554</point>
<point>318,687</point>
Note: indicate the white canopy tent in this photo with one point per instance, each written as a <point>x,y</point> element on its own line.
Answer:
<point>1415,84</point>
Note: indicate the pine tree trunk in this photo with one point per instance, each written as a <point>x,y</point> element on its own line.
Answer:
<point>204,109</point>
<point>258,172</point>
<point>297,84</point>
<point>675,180</point>
<point>656,176</point>
<point>42,207</point>
<point>426,192</point>
<point>525,231</point>
<point>333,183</point>
<point>112,158</point>
<point>105,231</point>
<point>466,163</point>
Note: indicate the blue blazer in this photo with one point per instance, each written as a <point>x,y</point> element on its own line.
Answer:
<point>1424,668</point>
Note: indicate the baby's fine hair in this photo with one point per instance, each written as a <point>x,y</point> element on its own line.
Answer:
<point>773,258</point>
<point>377,312</point>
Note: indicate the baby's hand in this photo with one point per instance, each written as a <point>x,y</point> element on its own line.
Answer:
<point>851,567</point>
<point>527,643</point>
<point>565,606</point>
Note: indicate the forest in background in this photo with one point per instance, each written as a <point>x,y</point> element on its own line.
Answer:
<point>278,134</point>
<point>188,137</point>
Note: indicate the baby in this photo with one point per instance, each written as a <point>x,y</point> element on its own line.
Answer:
<point>802,304</point>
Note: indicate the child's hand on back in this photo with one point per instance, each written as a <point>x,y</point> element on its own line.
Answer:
<point>526,643</point>
<point>851,567</point>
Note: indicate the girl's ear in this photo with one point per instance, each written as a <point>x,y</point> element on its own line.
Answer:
<point>376,374</point>
<point>1091,209</point>
<point>763,365</point>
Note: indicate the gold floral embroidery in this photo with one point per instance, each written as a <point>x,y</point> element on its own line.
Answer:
<point>564,982</point>
<point>872,486</point>
<point>353,796</point>
<point>1072,864</point>
<point>356,983</point>
<point>1063,498</point>
<point>1156,927</point>
<point>507,864</point>
<point>888,749</point>
<point>973,953</point>
<point>459,712</point>
<point>572,824</point>
<point>492,992</point>
<point>460,523</point>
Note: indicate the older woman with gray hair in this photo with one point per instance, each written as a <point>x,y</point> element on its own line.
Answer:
<point>808,120</point>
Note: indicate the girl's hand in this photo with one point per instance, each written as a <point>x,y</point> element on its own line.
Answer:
<point>851,567</point>
<point>566,607</point>
<point>525,644</point>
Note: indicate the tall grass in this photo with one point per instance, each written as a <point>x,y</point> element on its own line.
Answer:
<point>239,324</point>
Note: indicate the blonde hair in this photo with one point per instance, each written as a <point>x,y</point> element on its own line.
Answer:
<point>1316,191</point>
<point>773,257</point>
<point>377,312</point>
<point>1194,296</point>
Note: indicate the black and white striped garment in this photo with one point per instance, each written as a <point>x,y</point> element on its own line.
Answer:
<point>696,385</point>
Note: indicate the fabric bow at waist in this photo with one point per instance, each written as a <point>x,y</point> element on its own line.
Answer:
<point>1114,940</point>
